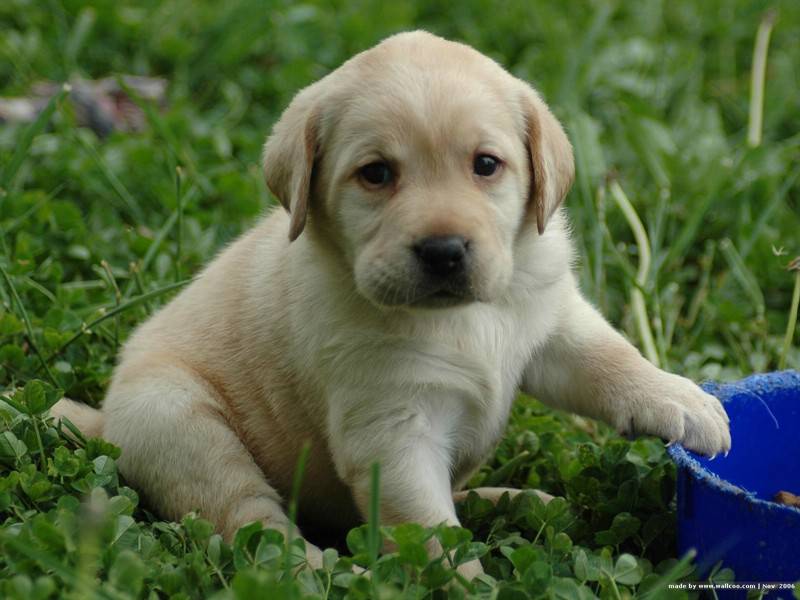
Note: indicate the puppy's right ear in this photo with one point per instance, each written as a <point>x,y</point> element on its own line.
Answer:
<point>288,158</point>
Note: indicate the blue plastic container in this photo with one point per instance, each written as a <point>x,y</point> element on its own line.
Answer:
<point>725,508</point>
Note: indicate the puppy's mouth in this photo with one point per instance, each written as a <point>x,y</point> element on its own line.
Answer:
<point>424,296</point>
<point>444,297</point>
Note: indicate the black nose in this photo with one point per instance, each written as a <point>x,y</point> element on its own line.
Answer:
<point>442,256</point>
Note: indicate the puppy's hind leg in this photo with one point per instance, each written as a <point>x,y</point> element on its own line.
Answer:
<point>89,420</point>
<point>181,453</point>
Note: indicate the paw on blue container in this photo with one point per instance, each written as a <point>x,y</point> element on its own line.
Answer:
<point>726,507</point>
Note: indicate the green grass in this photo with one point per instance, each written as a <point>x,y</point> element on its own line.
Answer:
<point>96,233</point>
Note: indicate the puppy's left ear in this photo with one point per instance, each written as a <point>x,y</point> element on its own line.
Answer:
<point>289,155</point>
<point>552,165</point>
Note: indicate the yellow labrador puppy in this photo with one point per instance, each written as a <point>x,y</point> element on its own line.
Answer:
<point>417,278</point>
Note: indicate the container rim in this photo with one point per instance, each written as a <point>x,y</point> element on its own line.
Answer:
<point>726,392</point>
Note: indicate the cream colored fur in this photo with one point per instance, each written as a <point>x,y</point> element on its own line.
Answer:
<point>335,338</point>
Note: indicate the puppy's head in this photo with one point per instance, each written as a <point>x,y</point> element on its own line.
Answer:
<point>424,161</point>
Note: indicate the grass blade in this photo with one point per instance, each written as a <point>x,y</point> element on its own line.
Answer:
<point>112,281</point>
<point>702,289</point>
<point>374,517</point>
<point>297,483</point>
<point>756,117</point>
<point>637,296</point>
<point>790,326</point>
<point>743,275</point>
<point>179,240</point>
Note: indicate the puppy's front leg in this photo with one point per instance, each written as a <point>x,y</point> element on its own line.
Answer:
<point>588,368</point>
<point>413,454</point>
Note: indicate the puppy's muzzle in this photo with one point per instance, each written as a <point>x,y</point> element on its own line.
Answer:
<point>443,257</point>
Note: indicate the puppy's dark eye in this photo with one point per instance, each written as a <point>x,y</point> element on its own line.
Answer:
<point>485,165</point>
<point>376,173</point>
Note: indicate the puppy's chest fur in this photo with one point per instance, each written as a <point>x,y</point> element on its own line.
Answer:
<point>488,347</point>
<point>448,377</point>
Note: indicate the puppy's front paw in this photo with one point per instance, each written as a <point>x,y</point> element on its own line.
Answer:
<point>677,410</point>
